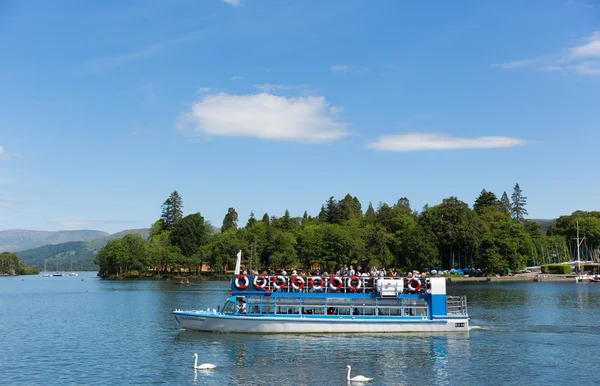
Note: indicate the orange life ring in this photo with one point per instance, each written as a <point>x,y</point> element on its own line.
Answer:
<point>358,283</point>
<point>297,279</point>
<point>263,280</point>
<point>338,280</point>
<point>283,281</point>
<point>237,282</point>
<point>411,284</point>
<point>316,286</point>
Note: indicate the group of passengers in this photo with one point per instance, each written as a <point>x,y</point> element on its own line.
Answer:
<point>344,271</point>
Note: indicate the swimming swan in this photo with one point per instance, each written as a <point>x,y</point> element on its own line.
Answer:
<point>204,366</point>
<point>358,378</point>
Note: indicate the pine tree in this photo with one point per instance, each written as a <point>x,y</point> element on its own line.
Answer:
<point>230,220</point>
<point>505,203</point>
<point>485,199</point>
<point>370,213</point>
<point>251,220</point>
<point>265,219</point>
<point>305,217</point>
<point>519,201</point>
<point>172,210</point>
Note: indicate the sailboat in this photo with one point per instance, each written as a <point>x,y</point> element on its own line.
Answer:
<point>72,273</point>
<point>45,270</point>
<point>57,273</point>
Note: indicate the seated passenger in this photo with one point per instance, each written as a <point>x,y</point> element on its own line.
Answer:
<point>242,306</point>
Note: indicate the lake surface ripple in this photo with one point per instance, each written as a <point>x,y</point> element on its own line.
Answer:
<point>65,330</point>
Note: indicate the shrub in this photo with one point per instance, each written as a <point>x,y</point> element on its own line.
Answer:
<point>563,269</point>
<point>593,268</point>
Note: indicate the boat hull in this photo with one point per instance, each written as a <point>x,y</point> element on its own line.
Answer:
<point>211,322</point>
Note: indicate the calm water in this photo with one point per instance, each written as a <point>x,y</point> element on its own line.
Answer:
<point>63,330</point>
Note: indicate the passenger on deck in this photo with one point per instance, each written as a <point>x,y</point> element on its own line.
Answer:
<point>351,271</point>
<point>242,306</point>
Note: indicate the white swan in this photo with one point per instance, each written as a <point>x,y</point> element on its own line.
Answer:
<point>358,378</point>
<point>204,366</point>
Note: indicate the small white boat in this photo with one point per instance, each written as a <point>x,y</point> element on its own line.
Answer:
<point>46,275</point>
<point>72,274</point>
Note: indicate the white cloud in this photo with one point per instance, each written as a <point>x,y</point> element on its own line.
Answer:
<point>237,77</point>
<point>339,68</point>
<point>574,60</point>
<point>586,68</point>
<point>434,141</point>
<point>264,116</point>
<point>590,49</point>
<point>234,3</point>
<point>7,155</point>
<point>264,69</point>
<point>267,87</point>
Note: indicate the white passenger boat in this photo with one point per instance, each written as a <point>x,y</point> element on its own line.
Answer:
<point>317,304</point>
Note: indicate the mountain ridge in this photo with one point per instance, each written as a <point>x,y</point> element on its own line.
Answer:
<point>15,240</point>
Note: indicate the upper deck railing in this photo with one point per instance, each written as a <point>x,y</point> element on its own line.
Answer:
<point>330,284</point>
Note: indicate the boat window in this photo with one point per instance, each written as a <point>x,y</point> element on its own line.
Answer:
<point>228,308</point>
<point>253,304</point>
<point>313,306</point>
<point>415,307</point>
<point>268,305</point>
<point>389,307</point>
<point>338,306</point>
<point>363,307</point>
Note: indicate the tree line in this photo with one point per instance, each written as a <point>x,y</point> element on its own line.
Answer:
<point>10,264</point>
<point>493,236</point>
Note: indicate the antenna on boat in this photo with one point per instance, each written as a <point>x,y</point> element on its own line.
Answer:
<point>238,262</point>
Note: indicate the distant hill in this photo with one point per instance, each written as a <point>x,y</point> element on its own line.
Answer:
<point>544,223</point>
<point>81,253</point>
<point>14,240</point>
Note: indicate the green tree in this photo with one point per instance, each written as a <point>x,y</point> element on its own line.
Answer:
<point>251,220</point>
<point>172,210</point>
<point>519,201</point>
<point>190,234</point>
<point>485,200</point>
<point>266,219</point>
<point>230,220</point>
<point>506,206</point>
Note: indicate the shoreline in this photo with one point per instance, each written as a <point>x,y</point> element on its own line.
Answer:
<point>534,277</point>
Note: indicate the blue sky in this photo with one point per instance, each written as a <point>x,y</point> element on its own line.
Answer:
<point>107,107</point>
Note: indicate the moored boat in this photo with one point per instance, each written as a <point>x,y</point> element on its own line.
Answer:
<point>332,304</point>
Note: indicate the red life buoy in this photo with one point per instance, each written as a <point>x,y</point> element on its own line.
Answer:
<point>263,281</point>
<point>315,279</point>
<point>297,279</point>
<point>237,282</point>
<point>411,284</point>
<point>330,311</point>
<point>357,280</point>
<point>283,281</point>
<point>339,281</point>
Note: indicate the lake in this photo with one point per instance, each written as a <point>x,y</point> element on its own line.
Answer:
<point>65,330</point>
